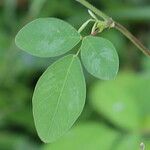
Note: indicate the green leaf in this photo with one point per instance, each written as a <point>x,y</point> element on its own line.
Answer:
<point>141,92</point>
<point>87,136</point>
<point>59,98</point>
<point>47,37</point>
<point>112,101</point>
<point>99,57</point>
<point>133,84</point>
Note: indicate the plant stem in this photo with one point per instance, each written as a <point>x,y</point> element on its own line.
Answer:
<point>93,9</point>
<point>117,26</point>
<point>132,38</point>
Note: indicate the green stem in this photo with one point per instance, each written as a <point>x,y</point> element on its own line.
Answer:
<point>117,26</point>
<point>132,38</point>
<point>94,9</point>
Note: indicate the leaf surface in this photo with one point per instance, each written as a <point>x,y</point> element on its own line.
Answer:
<point>47,37</point>
<point>99,57</point>
<point>111,100</point>
<point>59,98</point>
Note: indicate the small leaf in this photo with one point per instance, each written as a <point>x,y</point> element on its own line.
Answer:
<point>59,98</point>
<point>87,136</point>
<point>99,57</point>
<point>47,37</point>
<point>112,100</point>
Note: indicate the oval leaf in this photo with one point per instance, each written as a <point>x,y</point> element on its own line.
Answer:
<point>47,37</point>
<point>99,57</point>
<point>59,98</point>
<point>112,100</point>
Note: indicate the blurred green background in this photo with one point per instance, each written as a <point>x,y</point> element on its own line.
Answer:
<point>117,113</point>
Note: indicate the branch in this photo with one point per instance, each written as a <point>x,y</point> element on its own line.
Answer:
<point>93,9</point>
<point>132,38</point>
<point>117,26</point>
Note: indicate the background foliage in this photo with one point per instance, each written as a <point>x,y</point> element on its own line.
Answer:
<point>116,115</point>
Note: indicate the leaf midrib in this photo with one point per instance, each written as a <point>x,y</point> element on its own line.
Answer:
<point>60,95</point>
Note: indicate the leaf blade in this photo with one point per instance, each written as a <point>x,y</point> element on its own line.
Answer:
<point>99,57</point>
<point>113,101</point>
<point>47,37</point>
<point>56,113</point>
